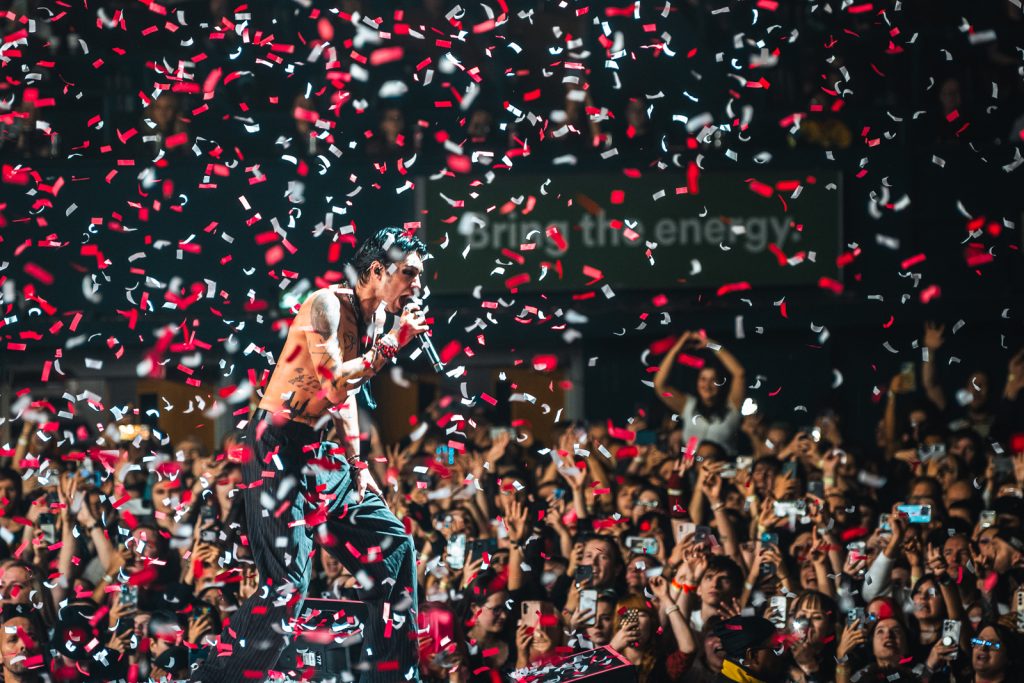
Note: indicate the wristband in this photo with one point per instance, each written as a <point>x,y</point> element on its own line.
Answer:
<point>717,506</point>
<point>670,610</point>
<point>678,586</point>
<point>387,349</point>
<point>675,492</point>
<point>687,588</point>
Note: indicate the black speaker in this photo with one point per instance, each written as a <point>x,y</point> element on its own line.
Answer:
<point>603,665</point>
<point>328,642</point>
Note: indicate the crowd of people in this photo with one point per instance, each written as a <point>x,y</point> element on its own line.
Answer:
<point>708,544</point>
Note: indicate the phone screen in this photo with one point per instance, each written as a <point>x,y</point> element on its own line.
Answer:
<point>457,551</point>
<point>916,514</point>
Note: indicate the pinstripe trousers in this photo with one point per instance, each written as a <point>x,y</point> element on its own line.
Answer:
<point>290,498</point>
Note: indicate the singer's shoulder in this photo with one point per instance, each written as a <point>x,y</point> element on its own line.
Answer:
<point>338,289</point>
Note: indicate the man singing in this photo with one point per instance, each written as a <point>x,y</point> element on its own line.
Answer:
<point>331,349</point>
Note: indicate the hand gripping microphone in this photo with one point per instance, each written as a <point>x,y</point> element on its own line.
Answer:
<point>428,347</point>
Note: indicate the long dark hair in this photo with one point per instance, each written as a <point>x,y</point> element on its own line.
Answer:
<point>388,245</point>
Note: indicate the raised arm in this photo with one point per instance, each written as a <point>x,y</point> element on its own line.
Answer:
<point>670,396</point>
<point>932,343</point>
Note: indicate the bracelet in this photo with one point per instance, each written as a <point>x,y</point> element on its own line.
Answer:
<point>387,349</point>
<point>717,506</point>
<point>672,609</point>
<point>22,441</point>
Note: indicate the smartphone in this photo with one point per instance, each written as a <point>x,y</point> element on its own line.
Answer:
<point>642,545</point>
<point>777,605</point>
<point>951,634</point>
<point>883,522</point>
<point>930,452</point>
<point>646,437</point>
<point>130,596</point>
<point>208,532</point>
<point>744,462</point>
<point>988,518</point>
<point>1020,609</point>
<point>786,508</point>
<point>702,534</point>
<point>484,545</point>
<point>816,488</point>
<point>48,525</point>
<point>856,614</point>
<point>908,378</point>
<point>1003,465</point>
<point>728,472</point>
<point>584,572</point>
<point>916,514</point>
<point>534,610</point>
<point>789,469</point>
<point>857,550</point>
<point>632,616</point>
<point>681,528</point>
<point>498,431</point>
<point>588,603</point>
<point>770,538</point>
<point>766,569</point>
<point>457,551</point>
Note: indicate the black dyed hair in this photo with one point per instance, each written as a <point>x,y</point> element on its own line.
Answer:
<point>721,563</point>
<point>386,246</point>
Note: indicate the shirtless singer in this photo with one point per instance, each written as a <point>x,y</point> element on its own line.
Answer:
<point>333,346</point>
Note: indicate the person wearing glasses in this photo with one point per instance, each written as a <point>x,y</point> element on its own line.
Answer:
<point>995,655</point>
<point>994,658</point>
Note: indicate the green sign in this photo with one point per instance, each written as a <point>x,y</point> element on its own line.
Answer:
<point>533,233</point>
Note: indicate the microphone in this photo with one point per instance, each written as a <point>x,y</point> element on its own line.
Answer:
<point>431,353</point>
<point>428,346</point>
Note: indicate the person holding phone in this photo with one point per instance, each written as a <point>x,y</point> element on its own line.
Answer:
<point>636,638</point>
<point>712,413</point>
<point>888,653</point>
<point>539,634</point>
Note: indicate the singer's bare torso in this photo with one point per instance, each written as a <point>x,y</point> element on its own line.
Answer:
<point>294,391</point>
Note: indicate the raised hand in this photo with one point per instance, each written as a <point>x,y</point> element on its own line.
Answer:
<point>730,609</point>
<point>712,487</point>
<point>499,444</point>
<point>516,520</point>
<point>853,636</point>
<point>659,587</point>
<point>580,620</point>
<point>933,336</point>
<point>524,636</point>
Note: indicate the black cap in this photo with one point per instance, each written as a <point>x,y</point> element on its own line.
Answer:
<point>1009,505</point>
<point>1013,538</point>
<point>739,634</point>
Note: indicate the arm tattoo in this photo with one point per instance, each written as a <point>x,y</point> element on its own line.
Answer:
<point>325,314</point>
